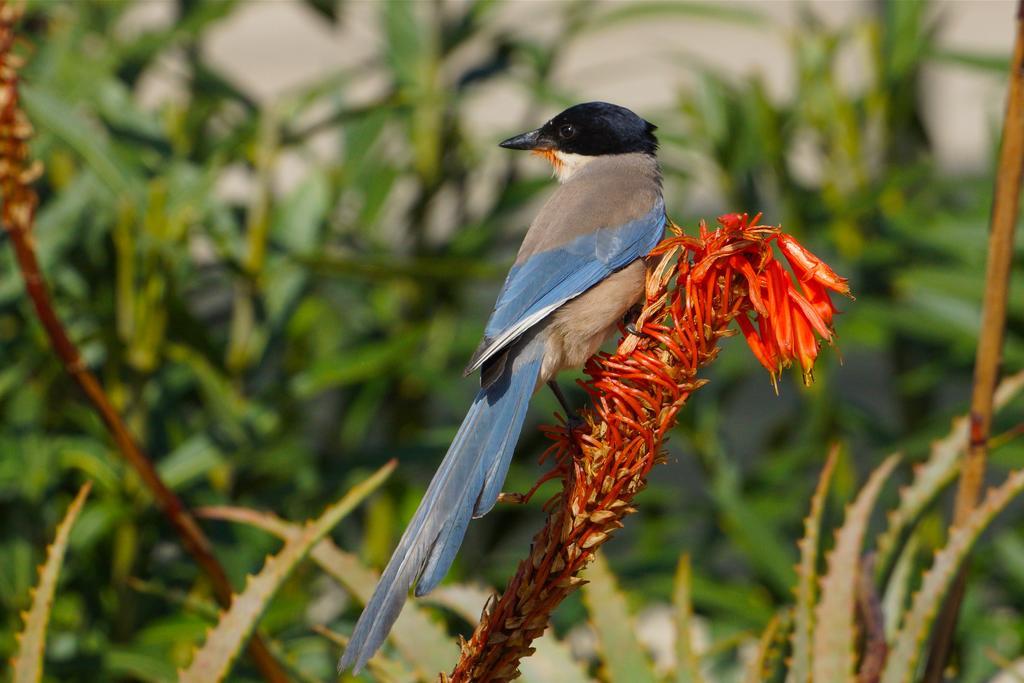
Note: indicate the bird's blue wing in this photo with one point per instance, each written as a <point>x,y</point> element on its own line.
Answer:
<point>546,280</point>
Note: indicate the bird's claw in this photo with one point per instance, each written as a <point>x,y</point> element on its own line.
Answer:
<point>513,498</point>
<point>630,319</point>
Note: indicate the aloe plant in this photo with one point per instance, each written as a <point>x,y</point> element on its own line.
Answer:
<point>27,664</point>
<point>212,661</point>
<point>422,642</point>
<point>268,347</point>
<point>688,668</point>
<point>818,638</point>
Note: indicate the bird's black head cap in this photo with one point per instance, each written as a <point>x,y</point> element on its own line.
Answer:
<point>591,129</point>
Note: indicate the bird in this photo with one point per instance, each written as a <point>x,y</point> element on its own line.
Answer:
<point>579,271</point>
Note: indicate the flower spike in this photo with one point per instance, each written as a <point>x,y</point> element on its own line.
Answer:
<point>696,287</point>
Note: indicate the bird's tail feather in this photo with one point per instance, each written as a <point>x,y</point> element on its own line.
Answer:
<point>466,485</point>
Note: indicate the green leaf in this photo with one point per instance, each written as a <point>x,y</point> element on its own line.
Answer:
<point>909,643</point>
<point>374,267</point>
<point>132,56</point>
<point>213,660</point>
<point>654,10</point>
<point>195,458</point>
<point>298,220</point>
<point>383,669</point>
<point>407,39</point>
<point>807,576</point>
<point>138,665</point>
<point>1009,549</point>
<point>50,112</point>
<point>622,657</point>
<point>687,663</point>
<point>908,30</point>
<point>228,406</point>
<point>465,600</point>
<point>992,62</point>
<point>835,635</point>
<point>752,532</point>
<point>552,662</point>
<point>356,365</point>
<point>418,638</point>
<point>92,458</point>
<point>932,476</point>
<point>27,664</point>
<point>759,662</point>
<point>897,588</point>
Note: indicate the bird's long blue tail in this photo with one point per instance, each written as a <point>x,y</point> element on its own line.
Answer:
<point>466,485</point>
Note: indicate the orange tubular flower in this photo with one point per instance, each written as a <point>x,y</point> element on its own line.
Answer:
<point>807,266</point>
<point>696,288</point>
<point>790,316</point>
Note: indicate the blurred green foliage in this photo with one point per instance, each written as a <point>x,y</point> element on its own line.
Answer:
<point>272,347</point>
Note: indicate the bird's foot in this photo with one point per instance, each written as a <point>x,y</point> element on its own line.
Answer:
<point>524,498</point>
<point>574,422</point>
<point>512,498</point>
<point>630,318</point>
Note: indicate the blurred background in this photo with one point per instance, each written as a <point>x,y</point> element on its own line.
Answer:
<point>276,229</point>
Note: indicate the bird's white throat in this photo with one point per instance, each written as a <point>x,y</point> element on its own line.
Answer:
<point>566,165</point>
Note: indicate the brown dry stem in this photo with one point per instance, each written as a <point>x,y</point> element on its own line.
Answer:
<point>988,358</point>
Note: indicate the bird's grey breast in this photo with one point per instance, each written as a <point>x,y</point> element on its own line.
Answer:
<point>608,192</point>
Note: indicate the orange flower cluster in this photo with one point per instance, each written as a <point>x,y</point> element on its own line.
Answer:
<point>696,287</point>
<point>789,319</point>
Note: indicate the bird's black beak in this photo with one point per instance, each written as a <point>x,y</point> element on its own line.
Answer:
<point>531,140</point>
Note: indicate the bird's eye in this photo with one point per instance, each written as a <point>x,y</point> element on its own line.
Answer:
<point>567,131</point>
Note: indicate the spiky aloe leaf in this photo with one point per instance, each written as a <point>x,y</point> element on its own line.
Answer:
<point>552,662</point>
<point>807,577</point>
<point>213,660</point>
<point>622,657</point>
<point>775,659</point>
<point>755,672</point>
<point>908,645</point>
<point>894,601</point>
<point>383,669</point>
<point>28,660</point>
<point>422,642</point>
<point>931,477</point>
<point>687,663</point>
<point>136,662</point>
<point>465,599</point>
<point>834,630</point>
<point>185,602</point>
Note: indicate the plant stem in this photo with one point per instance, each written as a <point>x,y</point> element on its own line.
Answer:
<point>1005,205</point>
<point>18,216</point>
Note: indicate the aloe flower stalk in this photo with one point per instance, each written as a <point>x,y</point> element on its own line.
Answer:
<point>696,288</point>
